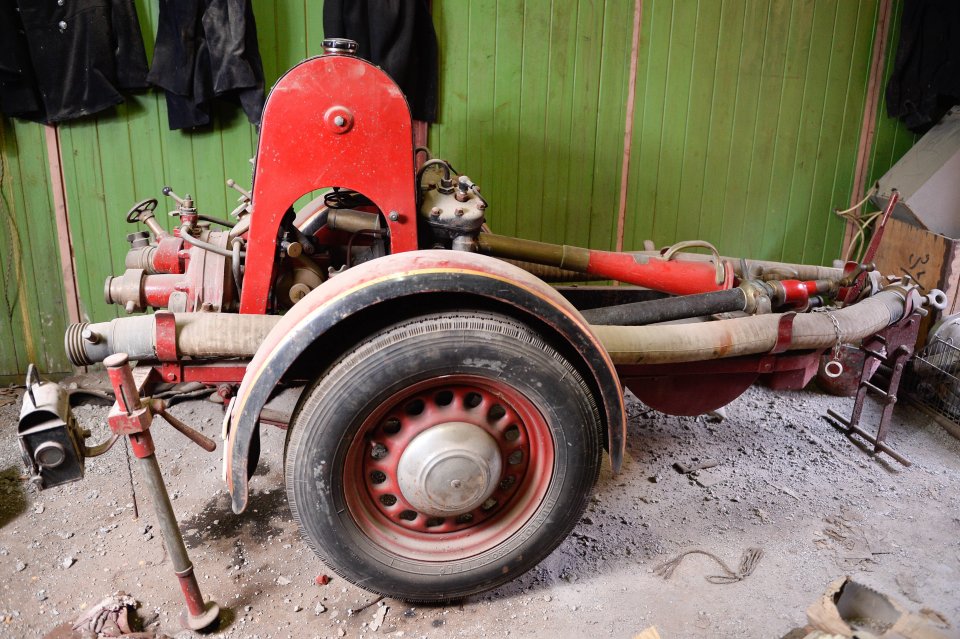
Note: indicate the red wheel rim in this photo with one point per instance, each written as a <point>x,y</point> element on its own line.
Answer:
<point>372,491</point>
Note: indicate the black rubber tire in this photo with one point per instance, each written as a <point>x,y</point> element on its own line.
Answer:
<point>478,344</point>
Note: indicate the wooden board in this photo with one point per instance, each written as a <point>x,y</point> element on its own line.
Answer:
<point>932,260</point>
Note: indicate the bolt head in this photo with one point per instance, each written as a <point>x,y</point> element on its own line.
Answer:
<point>394,216</point>
<point>339,120</point>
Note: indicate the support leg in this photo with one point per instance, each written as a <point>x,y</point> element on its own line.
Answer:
<point>198,615</point>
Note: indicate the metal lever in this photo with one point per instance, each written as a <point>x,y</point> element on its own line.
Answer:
<point>239,189</point>
<point>159,407</point>
<point>176,198</point>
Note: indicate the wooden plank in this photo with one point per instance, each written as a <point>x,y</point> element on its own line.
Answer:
<point>12,360</point>
<point>868,124</point>
<point>313,24</point>
<point>799,43</point>
<point>209,180</point>
<point>744,143</point>
<point>507,99</point>
<point>720,131</point>
<point>483,142</point>
<point>560,120</point>
<point>673,134</point>
<point>629,118</point>
<point>883,154</point>
<point>292,35</point>
<point>534,79</point>
<point>86,209</point>
<point>452,142</point>
<point>804,169</point>
<point>693,168</point>
<point>146,126</point>
<point>68,273</point>
<point>847,147</point>
<point>655,48</point>
<point>265,14</point>
<point>116,161</point>
<point>614,115</point>
<point>753,207</point>
<point>577,201</point>
<point>822,198</point>
<point>42,291</point>
<point>932,260</point>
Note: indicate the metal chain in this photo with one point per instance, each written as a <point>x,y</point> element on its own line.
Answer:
<point>833,368</point>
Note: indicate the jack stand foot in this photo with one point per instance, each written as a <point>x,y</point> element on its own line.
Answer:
<point>202,621</point>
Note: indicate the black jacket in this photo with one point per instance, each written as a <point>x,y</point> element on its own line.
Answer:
<point>207,49</point>
<point>396,35</point>
<point>925,81</point>
<point>76,54</point>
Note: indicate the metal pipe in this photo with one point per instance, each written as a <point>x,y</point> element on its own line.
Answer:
<point>206,246</point>
<point>670,308</point>
<point>199,614</point>
<point>553,274</point>
<point>199,335</point>
<point>352,221</point>
<point>656,272</point>
<point>790,270</point>
<point>750,335</point>
<point>561,256</point>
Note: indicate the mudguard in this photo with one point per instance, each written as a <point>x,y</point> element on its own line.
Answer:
<point>408,275</point>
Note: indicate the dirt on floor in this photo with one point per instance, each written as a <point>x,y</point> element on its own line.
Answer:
<point>786,482</point>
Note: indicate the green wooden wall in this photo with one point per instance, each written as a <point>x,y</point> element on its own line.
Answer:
<point>745,131</point>
<point>32,308</point>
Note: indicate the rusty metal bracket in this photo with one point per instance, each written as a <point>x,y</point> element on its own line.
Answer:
<point>892,347</point>
<point>784,333</point>
<point>165,330</point>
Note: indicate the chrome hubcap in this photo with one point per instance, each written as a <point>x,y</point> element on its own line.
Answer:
<point>449,469</point>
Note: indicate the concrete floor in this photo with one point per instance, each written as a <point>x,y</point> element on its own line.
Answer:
<point>787,483</point>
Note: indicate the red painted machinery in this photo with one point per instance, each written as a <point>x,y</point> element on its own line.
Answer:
<point>454,404</point>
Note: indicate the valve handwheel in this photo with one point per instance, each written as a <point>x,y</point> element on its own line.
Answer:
<point>144,206</point>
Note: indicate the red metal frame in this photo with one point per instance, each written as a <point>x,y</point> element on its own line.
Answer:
<point>335,120</point>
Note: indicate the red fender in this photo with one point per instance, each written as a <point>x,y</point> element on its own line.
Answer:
<point>407,275</point>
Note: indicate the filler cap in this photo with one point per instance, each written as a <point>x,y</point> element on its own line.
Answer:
<point>339,46</point>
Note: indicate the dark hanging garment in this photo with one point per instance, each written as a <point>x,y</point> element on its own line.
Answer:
<point>207,49</point>
<point>397,36</point>
<point>19,95</point>
<point>83,53</point>
<point>925,81</point>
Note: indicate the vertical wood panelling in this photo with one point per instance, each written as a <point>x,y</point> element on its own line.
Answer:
<point>531,107</point>
<point>33,313</point>
<point>744,133</point>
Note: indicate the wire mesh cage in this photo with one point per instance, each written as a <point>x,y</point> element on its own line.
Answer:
<point>934,381</point>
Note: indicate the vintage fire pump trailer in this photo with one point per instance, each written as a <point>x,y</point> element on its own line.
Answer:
<point>455,405</point>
